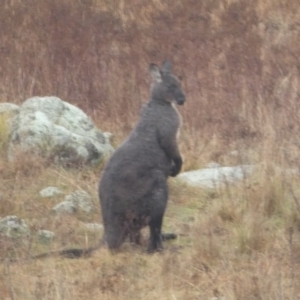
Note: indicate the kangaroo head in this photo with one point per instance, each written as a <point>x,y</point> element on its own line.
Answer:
<point>165,86</point>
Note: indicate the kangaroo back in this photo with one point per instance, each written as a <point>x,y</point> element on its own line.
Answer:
<point>133,189</point>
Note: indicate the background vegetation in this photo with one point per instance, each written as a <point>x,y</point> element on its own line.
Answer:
<point>239,63</point>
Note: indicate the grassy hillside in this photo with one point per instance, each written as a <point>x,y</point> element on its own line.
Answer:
<point>239,64</point>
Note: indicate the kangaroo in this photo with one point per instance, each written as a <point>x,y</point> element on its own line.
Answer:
<point>133,189</point>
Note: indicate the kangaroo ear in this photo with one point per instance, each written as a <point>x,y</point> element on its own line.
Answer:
<point>155,72</point>
<point>166,67</point>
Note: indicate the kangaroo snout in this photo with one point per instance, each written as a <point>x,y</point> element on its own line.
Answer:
<point>180,100</point>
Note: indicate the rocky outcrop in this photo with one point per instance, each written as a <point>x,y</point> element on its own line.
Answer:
<point>8,108</point>
<point>45,236</point>
<point>13,227</point>
<point>216,176</point>
<point>58,130</point>
<point>76,201</point>
<point>50,191</point>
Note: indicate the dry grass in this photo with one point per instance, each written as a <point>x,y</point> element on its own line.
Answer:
<point>241,242</point>
<point>239,63</point>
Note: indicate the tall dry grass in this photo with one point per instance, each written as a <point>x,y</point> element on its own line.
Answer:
<point>239,63</point>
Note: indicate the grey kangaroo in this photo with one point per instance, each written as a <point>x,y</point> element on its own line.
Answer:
<point>133,189</point>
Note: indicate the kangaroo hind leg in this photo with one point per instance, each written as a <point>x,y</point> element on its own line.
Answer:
<point>114,236</point>
<point>155,241</point>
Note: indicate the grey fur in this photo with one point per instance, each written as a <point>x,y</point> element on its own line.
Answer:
<point>133,189</point>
